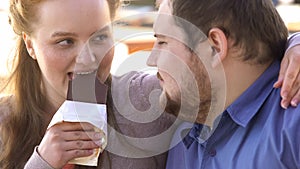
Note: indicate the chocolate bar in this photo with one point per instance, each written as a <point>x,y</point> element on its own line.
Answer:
<point>87,88</point>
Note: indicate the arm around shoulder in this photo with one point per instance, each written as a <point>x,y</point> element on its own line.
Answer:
<point>293,40</point>
<point>289,76</point>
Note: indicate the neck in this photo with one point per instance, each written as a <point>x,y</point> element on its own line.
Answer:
<point>239,76</point>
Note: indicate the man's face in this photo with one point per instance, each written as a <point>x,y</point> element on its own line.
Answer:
<point>183,78</point>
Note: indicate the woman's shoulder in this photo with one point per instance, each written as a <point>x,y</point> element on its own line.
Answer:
<point>134,78</point>
<point>135,89</point>
<point>6,106</point>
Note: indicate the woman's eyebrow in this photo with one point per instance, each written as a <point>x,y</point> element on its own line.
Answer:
<point>60,34</point>
<point>104,29</point>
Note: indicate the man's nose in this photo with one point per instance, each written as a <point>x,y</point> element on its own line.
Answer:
<point>152,59</point>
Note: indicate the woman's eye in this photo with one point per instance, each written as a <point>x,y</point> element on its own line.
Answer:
<point>66,42</point>
<point>101,37</point>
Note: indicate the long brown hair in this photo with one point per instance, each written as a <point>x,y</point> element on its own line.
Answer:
<point>25,126</point>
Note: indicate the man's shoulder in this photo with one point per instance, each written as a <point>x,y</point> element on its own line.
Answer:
<point>283,131</point>
<point>291,117</point>
<point>285,121</point>
<point>273,105</point>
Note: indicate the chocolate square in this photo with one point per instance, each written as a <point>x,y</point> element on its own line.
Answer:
<point>87,88</point>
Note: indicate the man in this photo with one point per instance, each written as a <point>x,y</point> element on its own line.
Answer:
<point>221,81</point>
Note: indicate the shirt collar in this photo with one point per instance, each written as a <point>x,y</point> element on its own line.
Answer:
<point>200,133</point>
<point>247,105</point>
<point>243,109</point>
<point>195,135</point>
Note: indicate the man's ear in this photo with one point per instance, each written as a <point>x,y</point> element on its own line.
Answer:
<point>219,43</point>
<point>29,46</point>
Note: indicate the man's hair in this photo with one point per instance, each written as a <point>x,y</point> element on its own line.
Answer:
<point>253,25</point>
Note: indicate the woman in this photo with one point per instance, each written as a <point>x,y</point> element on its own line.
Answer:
<point>51,35</point>
<point>42,72</point>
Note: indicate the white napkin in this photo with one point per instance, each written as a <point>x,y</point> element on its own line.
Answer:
<point>74,111</point>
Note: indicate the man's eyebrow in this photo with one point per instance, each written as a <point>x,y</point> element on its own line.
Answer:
<point>157,35</point>
<point>61,34</point>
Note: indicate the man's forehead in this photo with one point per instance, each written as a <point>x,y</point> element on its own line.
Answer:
<point>158,2</point>
<point>164,6</point>
<point>164,18</point>
<point>164,24</point>
<point>165,27</point>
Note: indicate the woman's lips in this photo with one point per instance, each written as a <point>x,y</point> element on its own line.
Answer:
<point>71,75</point>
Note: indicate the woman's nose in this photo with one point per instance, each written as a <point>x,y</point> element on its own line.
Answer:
<point>86,56</point>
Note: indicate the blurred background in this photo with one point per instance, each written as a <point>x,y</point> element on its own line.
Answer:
<point>133,33</point>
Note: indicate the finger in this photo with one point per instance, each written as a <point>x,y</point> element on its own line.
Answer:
<point>278,83</point>
<point>296,99</point>
<point>80,145</point>
<point>284,103</point>
<point>83,135</point>
<point>283,68</point>
<point>296,96</point>
<point>75,126</point>
<point>290,79</point>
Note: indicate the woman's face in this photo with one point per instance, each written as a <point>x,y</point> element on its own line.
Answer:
<point>70,37</point>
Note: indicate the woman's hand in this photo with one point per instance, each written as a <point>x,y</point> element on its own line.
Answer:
<point>68,140</point>
<point>289,78</point>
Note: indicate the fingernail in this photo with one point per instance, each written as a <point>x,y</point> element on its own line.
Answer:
<point>279,81</point>
<point>294,103</point>
<point>276,84</point>
<point>283,105</point>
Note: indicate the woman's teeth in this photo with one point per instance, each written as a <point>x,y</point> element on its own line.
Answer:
<point>85,73</point>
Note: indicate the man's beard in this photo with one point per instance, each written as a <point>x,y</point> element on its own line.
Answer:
<point>170,105</point>
<point>184,110</point>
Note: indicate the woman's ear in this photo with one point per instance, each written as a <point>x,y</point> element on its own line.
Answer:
<point>28,43</point>
<point>219,43</point>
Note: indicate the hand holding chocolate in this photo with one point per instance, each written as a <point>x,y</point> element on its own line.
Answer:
<point>86,102</point>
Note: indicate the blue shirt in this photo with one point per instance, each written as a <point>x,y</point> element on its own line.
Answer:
<point>253,133</point>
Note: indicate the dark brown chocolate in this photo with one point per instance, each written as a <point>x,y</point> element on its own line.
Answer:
<point>87,88</point>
